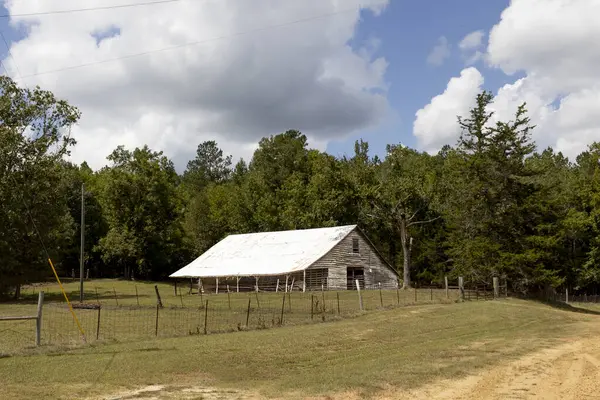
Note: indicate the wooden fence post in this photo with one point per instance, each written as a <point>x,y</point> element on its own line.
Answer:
<point>175,287</point>
<point>158,300</point>
<point>156,325</point>
<point>248,312</point>
<point>461,288</point>
<point>446,283</point>
<point>567,295</point>
<point>277,286</point>
<point>137,298</point>
<point>38,321</point>
<point>206,318</point>
<point>338,301</point>
<point>87,274</point>
<point>312,306</point>
<point>416,300</point>
<point>282,309</point>
<point>238,284</point>
<point>398,294</point>
<point>228,297</point>
<point>431,293</point>
<point>360,302</point>
<point>380,295</point>
<point>200,288</point>
<point>216,285</point>
<point>496,287</point>
<point>98,324</point>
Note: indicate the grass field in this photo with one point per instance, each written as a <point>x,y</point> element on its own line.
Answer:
<point>380,351</point>
<point>129,311</point>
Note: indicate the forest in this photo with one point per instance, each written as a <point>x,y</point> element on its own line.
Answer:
<point>491,204</point>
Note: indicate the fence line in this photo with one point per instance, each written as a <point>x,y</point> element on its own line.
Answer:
<point>109,315</point>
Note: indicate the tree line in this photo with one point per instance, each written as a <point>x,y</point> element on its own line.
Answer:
<point>489,205</point>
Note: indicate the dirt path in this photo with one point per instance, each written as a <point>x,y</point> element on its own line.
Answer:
<point>568,371</point>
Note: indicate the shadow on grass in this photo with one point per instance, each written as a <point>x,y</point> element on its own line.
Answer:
<point>567,307</point>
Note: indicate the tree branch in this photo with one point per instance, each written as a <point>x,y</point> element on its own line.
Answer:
<point>422,222</point>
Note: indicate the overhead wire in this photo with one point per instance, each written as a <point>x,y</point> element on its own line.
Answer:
<point>194,43</point>
<point>77,10</point>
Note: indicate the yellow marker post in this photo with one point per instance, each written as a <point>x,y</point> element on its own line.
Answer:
<point>67,299</point>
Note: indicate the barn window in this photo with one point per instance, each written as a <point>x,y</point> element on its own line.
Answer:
<point>355,246</point>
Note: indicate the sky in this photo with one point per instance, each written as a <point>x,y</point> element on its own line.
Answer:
<point>179,72</point>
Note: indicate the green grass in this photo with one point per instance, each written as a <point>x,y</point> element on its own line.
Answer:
<point>400,348</point>
<point>129,311</point>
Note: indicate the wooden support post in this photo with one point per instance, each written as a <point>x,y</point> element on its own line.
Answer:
<point>206,318</point>
<point>496,282</point>
<point>181,298</point>
<point>286,282</point>
<point>256,285</point>
<point>115,292</point>
<point>38,320</point>
<point>277,286</point>
<point>304,282</point>
<point>446,283</point>
<point>338,301</point>
<point>137,297</point>
<point>282,309</point>
<point>360,302</point>
<point>191,285</point>
<point>238,284</point>
<point>199,286</point>
<point>248,312</point>
<point>156,325</point>
<point>217,286</point>
<point>257,300</point>
<point>292,284</point>
<point>98,325</point>
<point>461,288</point>
<point>158,299</point>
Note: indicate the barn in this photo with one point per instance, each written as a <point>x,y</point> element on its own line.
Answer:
<point>331,258</point>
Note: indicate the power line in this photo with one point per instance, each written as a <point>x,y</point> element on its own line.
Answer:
<point>236,34</point>
<point>11,56</point>
<point>76,10</point>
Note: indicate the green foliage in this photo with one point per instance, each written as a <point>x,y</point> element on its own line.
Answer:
<point>488,206</point>
<point>34,138</point>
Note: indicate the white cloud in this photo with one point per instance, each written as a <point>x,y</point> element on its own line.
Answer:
<point>439,53</point>
<point>472,41</point>
<point>234,90</point>
<point>436,123</point>
<point>553,43</point>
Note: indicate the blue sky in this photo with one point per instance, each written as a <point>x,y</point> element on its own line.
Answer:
<point>408,31</point>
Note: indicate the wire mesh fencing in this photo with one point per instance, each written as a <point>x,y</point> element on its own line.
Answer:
<point>144,313</point>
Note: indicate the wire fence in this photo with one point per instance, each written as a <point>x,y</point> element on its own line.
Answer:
<point>112,316</point>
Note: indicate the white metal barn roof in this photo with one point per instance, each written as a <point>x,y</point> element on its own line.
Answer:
<point>265,253</point>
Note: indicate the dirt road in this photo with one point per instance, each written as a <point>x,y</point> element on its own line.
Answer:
<point>568,371</point>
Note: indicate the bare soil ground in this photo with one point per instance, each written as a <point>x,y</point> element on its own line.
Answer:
<point>568,371</point>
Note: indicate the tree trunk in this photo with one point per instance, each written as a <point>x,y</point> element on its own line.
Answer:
<point>406,248</point>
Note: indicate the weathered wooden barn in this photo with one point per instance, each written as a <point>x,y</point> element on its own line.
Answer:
<point>331,258</point>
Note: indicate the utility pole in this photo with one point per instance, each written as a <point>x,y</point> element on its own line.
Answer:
<point>82,242</point>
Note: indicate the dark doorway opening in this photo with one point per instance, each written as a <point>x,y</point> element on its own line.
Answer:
<point>353,274</point>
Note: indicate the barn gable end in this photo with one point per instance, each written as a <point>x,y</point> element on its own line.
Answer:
<point>344,263</point>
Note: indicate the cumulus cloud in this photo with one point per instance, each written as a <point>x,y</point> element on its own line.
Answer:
<point>472,41</point>
<point>436,123</point>
<point>553,44</point>
<point>224,78</point>
<point>439,53</point>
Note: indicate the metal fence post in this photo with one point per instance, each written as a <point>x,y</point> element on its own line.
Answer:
<point>38,321</point>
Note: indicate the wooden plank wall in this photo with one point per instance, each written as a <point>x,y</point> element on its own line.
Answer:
<point>342,256</point>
